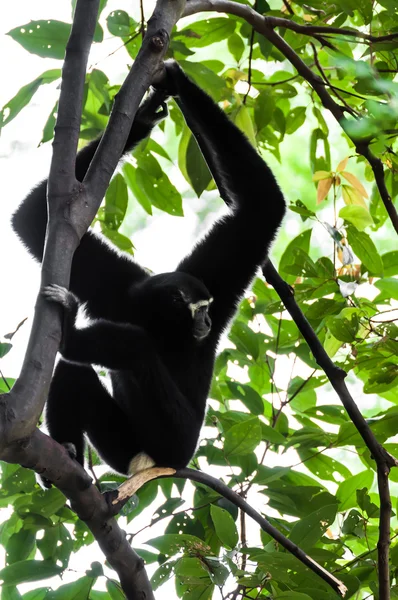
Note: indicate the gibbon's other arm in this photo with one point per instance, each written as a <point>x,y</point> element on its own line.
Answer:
<point>100,275</point>
<point>227,259</point>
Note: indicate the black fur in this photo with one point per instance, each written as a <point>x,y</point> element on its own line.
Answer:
<point>159,356</point>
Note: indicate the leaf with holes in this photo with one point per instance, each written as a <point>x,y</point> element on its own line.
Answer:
<point>45,38</point>
<point>242,438</point>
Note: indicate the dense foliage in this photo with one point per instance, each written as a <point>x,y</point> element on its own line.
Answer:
<point>275,430</point>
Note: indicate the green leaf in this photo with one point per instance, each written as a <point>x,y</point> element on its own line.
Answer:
<point>114,590</point>
<point>172,543</point>
<point>243,437</point>
<point>77,590</point>
<point>347,491</point>
<point>5,347</point>
<point>162,574</point>
<point>292,595</point>
<point>20,545</point>
<point>236,46</point>
<point>302,241</point>
<point>205,78</point>
<point>120,24</point>
<point>130,173</point>
<point>309,530</point>
<point>225,527</point>
<point>48,129</point>
<point>45,38</point>
<point>116,199</point>
<point>390,263</point>
<point>364,248</point>
<point>388,288</point>
<point>250,398</point>
<point>357,215</point>
<point>244,121</point>
<point>153,182</point>
<point>295,119</point>
<point>25,94</point>
<point>345,326</point>
<point>198,172</point>
<point>245,339</point>
<point>263,109</point>
<point>206,32</point>
<point>37,594</point>
<point>47,502</point>
<point>29,570</point>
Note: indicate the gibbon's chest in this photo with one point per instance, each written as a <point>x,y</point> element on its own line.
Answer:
<point>192,372</point>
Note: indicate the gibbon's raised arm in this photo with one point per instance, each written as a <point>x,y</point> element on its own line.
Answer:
<point>227,258</point>
<point>100,275</point>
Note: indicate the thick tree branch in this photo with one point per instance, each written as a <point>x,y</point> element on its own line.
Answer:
<point>130,486</point>
<point>264,26</point>
<point>21,409</point>
<point>71,208</point>
<point>45,456</point>
<point>336,376</point>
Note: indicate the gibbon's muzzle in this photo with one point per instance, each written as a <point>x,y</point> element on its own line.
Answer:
<point>202,323</point>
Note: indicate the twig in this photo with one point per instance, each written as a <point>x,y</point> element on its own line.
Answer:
<point>288,7</point>
<point>127,489</point>
<point>249,73</point>
<point>5,380</point>
<point>347,107</point>
<point>142,28</point>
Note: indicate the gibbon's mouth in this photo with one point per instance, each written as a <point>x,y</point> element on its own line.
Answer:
<point>201,336</point>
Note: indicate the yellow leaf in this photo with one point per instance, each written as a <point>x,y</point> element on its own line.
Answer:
<point>356,183</point>
<point>318,175</point>
<point>323,189</point>
<point>342,165</point>
<point>352,196</point>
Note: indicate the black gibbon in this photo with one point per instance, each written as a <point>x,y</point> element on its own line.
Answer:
<point>157,334</point>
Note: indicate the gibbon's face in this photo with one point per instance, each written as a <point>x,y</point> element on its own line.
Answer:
<point>179,304</point>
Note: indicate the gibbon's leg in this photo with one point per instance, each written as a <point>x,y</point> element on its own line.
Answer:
<point>100,274</point>
<point>163,422</point>
<point>227,258</point>
<point>78,403</point>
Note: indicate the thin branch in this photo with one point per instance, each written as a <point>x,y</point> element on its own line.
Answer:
<point>142,27</point>
<point>327,30</point>
<point>384,460</point>
<point>129,487</point>
<point>335,375</point>
<point>347,107</point>
<point>249,73</point>
<point>288,7</point>
<point>264,26</point>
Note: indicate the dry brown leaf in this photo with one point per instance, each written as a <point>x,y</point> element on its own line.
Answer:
<point>355,183</point>
<point>342,165</point>
<point>323,189</point>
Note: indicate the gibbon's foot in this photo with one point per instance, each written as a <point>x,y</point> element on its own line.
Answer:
<point>154,108</point>
<point>114,509</point>
<point>164,79</point>
<point>71,450</point>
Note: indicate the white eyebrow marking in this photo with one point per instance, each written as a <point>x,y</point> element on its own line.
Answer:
<point>193,306</point>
